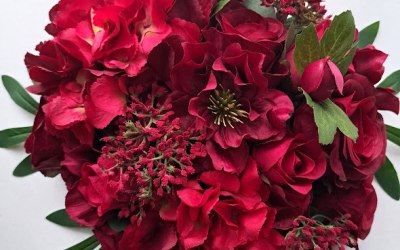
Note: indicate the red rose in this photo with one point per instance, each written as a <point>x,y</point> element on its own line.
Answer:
<point>369,63</point>
<point>359,202</point>
<point>51,68</point>
<point>45,148</point>
<point>253,27</point>
<point>195,11</point>
<point>355,161</point>
<point>292,162</point>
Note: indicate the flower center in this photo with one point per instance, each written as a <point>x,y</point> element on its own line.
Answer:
<point>226,109</point>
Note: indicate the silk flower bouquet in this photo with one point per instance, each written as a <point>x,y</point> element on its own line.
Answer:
<point>209,124</point>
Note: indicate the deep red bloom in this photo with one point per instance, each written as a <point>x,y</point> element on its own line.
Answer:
<point>152,233</point>
<point>291,163</point>
<point>259,113</point>
<point>321,78</point>
<point>369,62</point>
<point>354,161</point>
<point>45,148</point>
<point>359,202</point>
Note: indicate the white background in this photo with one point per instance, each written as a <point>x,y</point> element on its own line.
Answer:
<point>25,202</point>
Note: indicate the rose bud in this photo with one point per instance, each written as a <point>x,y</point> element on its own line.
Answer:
<point>321,78</point>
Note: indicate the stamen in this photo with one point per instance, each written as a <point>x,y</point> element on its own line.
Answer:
<point>226,109</point>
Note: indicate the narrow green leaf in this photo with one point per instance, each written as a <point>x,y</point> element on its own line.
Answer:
<point>290,38</point>
<point>219,6</point>
<point>392,81</point>
<point>344,64</point>
<point>388,179</point>
<point>19,94</point>
<point>328,118</point>
<point>13,136</point>
<point>255,5</point>
<point>118,225</point>
<point>368,35</point>
<point>393,134</point>
<point>339,38</point>
<point>24,168</point>
<point>87,244</point>
<point>61,217</point>
<point>307,48</point>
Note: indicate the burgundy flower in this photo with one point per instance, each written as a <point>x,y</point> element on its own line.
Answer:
<point>291,163</point>
<point>195,11</point>
<point>45,148</point>
<point>359,202</point>
<point>152,233</point>
<point>66,108</point>
<point>92,196</point>
<point>105,101</point>
<point>51,68</point>
<point>193,222</point>
<point>321,78</point>
<point>120,36</point>
<point>369,63</point>
<point>253,27</point>
<point>240,213</point>
<point>236,103</point>
<point>355,161</point>
<point>108,238</point>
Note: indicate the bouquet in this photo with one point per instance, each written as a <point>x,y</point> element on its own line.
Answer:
<point>209,124</point>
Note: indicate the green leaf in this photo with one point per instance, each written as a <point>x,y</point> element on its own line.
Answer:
<point>219,6</point>
<point>393,134</point>
<point>19,94</point>
<point>118,225</point>
<point>290,38</point>
<point>328,118</point>
<point>87,244</point>
<point>61,217</point>
<point>344,64</point>
<point>24,168</point>
<point>392,81</point>
<point>255,5</point>
<point>13,136</point>
<point>307,48</point>
<point>388,180</point>
<point>368,35</point>
<point>339,38</point>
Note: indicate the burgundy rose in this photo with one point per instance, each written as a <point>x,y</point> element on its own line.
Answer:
<point>196,11</point>
<point>45,147</point>
<point>369,63</point>
<point>52,67</point>
<point>292,162</point>
<point>253,27</point>
<point>359,202</point>
<point>355,161</point>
